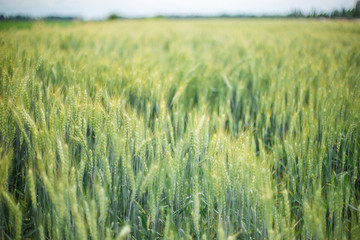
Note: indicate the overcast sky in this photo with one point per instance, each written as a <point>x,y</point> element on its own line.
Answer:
<point>101,8</point>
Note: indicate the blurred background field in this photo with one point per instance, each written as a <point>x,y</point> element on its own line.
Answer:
<point>163,128</point>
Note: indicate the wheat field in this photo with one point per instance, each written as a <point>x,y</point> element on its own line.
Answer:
<point>195,129</point>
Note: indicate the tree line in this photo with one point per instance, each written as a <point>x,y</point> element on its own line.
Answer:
<point>342,13</point>
<point>338,13</point>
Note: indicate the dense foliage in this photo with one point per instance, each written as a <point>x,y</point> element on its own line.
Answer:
<point>171,129</point>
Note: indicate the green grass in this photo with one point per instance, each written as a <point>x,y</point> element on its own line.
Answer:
<point>6,25</point>
<point>17,25</point>
<point>224,129</point>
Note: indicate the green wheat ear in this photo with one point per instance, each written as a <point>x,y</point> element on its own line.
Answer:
<point>16,213</point>
<point>31,184</point>
<point>125,231</point>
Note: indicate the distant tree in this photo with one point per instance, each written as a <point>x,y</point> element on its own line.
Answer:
<point>343,12</point>
<point>296,14</point>
<point>114,16</point>
<point>159,17</point>
<point>224,15</point>
<point>357,9</point>
<point>323,15</point>
<point>313,14</point>
<point>59,18</point>
<point>19,18</point>
<point>335,14</point>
